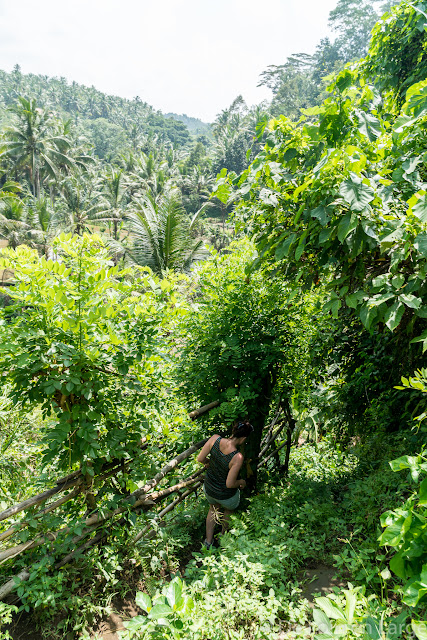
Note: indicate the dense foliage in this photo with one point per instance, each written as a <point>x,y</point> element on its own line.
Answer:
<point>316,325</point>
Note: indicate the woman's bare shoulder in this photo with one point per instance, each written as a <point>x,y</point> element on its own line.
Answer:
<point>238,458</point>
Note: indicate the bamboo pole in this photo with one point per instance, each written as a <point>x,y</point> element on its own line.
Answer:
<point>167,468</point>
<point>166,510</point>
<point>54,505</point>
<point>207,407</point>
<point>97,519</point>
<point>11,584</point>
<point>41,497</point>
<point>103,534</point>
<point>25,574</point>
<point>181,485</point>
<point>149,500</point>
<point>262,462</point>
<point>74,479</point>
<point>272,425</point>
<point>90,543</point>
<point>272,439</point>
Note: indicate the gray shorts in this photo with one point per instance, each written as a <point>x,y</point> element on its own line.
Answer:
<point>230,503</point>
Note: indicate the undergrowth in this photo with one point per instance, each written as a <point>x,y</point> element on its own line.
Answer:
<point>327,512</point>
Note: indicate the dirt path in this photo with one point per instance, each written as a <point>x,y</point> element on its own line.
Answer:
<point>321,580</point>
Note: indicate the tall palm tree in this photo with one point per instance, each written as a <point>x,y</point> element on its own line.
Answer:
<point>35,145</point>
<point>79,204</point>
<point>13,217</point>
<point>30,221</point>
<point>150,174</point>
<point>44,223</point>
<point>161,234</point>
<point>114,200</point>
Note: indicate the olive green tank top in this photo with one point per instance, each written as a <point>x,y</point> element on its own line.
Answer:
<point>217,472</point>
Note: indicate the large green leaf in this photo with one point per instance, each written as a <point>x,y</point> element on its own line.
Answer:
<point>375,301</point>
<point>300,248</point>
<point>369,125</point>
<point>136,624</point>
<point>420,244</point>
<point>420,629</point>
<point>404,462</point>
<point>174,592</point>
<point>413,592</point>
<point>160,611</point>
<point>422,496</point>
<point>373,628</point>
<point>289,154</point>
<point>356,193</point>
<point>322,622</point>
<point>330,608</point>
<point>419,207</point>
<point>394,315</point>
<point>321,215</point>
<point>368,315</point>
<point>397,565</point>
<point>354,299</point>
<point>410,300</point>
<point>346,225</point>
<point>283,249</point>
<point>143,601</point>
<point>392,534</point>
<point>350,605</point>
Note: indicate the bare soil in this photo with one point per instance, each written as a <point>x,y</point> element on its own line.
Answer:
<point>320,580</point>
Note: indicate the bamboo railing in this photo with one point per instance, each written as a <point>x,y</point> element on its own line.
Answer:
<point>101,523</point>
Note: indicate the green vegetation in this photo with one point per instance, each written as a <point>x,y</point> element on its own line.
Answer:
<point>306,314</point>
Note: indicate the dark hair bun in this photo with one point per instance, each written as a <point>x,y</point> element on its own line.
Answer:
<point>242,429</point>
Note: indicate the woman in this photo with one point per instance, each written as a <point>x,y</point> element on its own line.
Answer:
<point>221,484</point>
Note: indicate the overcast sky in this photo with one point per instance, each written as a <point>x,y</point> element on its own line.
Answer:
<point>184,56</point>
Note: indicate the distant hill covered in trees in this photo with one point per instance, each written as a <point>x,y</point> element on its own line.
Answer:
<point>109,122</point>
<point>194,125</point>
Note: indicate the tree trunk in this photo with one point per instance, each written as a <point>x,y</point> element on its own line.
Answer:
<point>290,430</point>
<point>258,414</point>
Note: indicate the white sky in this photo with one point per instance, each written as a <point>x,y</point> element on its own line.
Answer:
<point>184,56</point>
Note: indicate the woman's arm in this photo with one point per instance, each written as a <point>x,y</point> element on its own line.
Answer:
<point>232,482</point>
<point>206,449</point>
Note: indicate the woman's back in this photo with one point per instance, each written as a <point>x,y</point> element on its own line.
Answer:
<point>217,472</point>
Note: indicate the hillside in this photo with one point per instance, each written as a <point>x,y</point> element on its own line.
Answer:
<point>100,115</point>
<point>194,125</point>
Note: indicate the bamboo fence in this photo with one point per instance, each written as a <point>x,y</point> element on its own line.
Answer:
<point>102,523</point>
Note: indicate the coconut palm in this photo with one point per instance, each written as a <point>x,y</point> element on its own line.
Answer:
<point>114,201</point>
<point>13,215</point>
<point>35,144</point>
<point>30,221</point>
<point>79,203</point>
<point>161,234</point>
<point>45,224</point>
